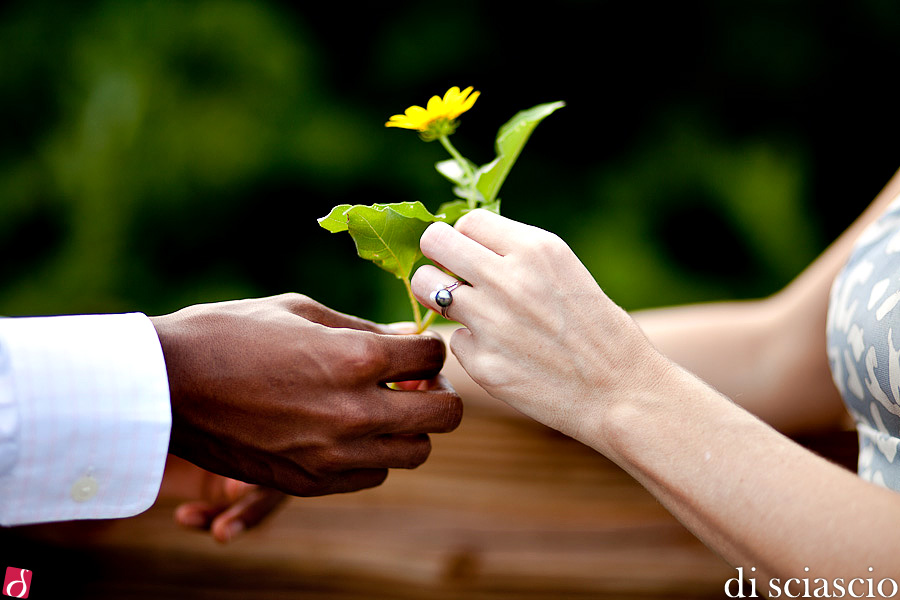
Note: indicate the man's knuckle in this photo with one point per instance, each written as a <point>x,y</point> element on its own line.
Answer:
<point>361,357</point>
<point>358,419</point>
<point>330,459</point>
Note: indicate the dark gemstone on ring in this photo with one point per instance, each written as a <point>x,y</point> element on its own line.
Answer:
<point>443,298</point>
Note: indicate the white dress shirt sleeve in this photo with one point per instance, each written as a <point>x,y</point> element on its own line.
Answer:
<point>84,417</point>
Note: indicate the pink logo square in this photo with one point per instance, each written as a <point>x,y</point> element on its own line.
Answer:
<point>17,582</point>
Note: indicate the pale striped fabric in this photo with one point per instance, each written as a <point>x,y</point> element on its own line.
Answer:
<point>84,417</point>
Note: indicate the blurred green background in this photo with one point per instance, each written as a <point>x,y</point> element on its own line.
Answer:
<point>159,154</point>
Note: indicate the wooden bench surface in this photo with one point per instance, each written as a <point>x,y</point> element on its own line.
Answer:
<point>504,509</point>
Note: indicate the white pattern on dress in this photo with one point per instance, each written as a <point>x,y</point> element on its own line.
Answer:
<point>856,341</point>
<point>864,361</point>
<point>853,382</point>
<point>885,443</point>
<point>878,291</point>
<point>887,306</point>
<point>872,383</point>
<point>842,310</point>
<point>893,367</point>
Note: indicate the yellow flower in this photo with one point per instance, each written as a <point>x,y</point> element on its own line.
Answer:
<point>438,118</point>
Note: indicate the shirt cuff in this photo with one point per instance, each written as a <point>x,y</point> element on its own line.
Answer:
<point>91,417</point>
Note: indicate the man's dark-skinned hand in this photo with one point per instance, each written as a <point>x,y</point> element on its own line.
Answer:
<point>287,393</point>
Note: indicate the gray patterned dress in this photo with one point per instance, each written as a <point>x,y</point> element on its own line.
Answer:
<point>864,348</point>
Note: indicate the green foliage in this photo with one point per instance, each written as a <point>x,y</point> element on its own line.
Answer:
<point>162,111</point>
<point>462,178</point>
<point>696,217</point>
<point>386,234</point>
<point>158,153</point>
<point>510,140</point>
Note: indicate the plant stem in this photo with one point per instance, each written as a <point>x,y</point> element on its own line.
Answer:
<point>430,316</point>
<point>417,313</point>
<point>464,165</point>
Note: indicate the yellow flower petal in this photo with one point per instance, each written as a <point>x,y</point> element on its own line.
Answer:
<point>400,121</point>
<point>451,95</point>
<point>446,108</point>
<point>435,105</point>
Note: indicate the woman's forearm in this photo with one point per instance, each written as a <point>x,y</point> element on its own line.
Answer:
<point>751,494</point>
<point>755,352</point>
<point>725,344</point>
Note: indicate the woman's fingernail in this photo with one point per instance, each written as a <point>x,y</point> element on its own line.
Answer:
<point>402,327</point>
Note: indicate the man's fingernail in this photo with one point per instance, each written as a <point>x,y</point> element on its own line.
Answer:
<point>233,530</point>
<point>191,519</point>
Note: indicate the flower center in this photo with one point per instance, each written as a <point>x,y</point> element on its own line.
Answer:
<point>437,128</point>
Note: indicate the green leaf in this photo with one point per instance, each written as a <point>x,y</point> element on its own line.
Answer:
<point>412,210</point>
<point>449,212</point>
<point>386,234</point>
<point>335,221</point>
<point>494,206</point>
<point>464,187</point>
<point>452,170</point>
<point>510,140</point>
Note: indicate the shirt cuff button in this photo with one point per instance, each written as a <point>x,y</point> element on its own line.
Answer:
<point>84,489</point>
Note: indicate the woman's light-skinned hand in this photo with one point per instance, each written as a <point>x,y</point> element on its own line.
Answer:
<point>539,332</point>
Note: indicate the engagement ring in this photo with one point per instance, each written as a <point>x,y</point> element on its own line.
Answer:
<point>444,298</point>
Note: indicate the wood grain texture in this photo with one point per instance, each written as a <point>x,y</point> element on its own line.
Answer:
<point>503,509</point>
